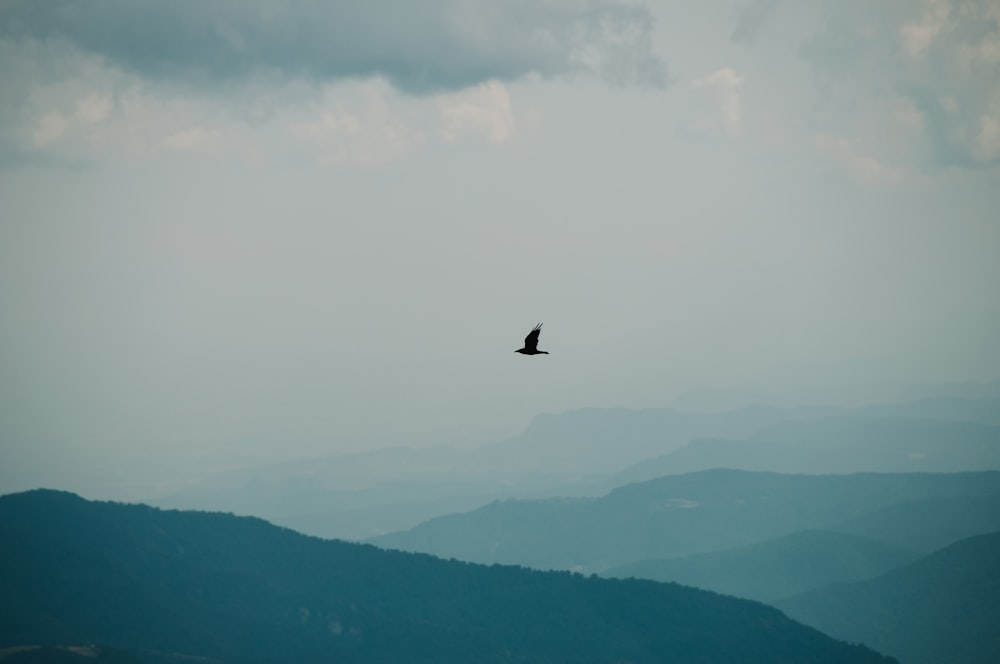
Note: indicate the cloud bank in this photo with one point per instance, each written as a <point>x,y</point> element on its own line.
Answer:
<point>937,60</point>
<point>420,46</point>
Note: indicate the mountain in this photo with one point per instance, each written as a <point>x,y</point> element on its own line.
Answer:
<point>842,444</point>
<point>776,568</point>
<point>172,587</point>
<point>708,399</point>
<point>576,453</point>
<point>362,495</point>
<point>942,608</point>
<point>312,504</point>
<point>592,441</point>
<point>680,515</point>
<point>927,524</point>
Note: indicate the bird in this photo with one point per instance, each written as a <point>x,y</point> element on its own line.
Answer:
<point>531,343</point>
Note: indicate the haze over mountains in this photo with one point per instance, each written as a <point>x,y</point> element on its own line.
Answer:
<point>778,568</point>
<point>681,515</point>
<point>569,495</point>
<point>184,586</point>
<point>366,494</point>
<point>794,537</point>
<point>265,265</point>
<point>839,445</point>
<point>823,521</point>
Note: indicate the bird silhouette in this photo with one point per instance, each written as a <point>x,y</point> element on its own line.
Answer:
<point>531,343</point>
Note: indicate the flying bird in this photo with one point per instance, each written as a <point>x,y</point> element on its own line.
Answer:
<point>531,343</point>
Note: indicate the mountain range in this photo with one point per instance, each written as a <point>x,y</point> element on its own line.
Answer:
<point>588,452</point>
<point>838,445</point>
<point>680,515</point>
<point>777,568</point>
<point>170,586</point>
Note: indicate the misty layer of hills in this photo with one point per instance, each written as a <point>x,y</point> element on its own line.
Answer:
<point>681,515</point>
<point>917,548</point>
<point>169,586</point>
<point>954,592</point>
<point>776,568</point>
<point>838,445</point>
<point>588,452</point>
<point>920,549</point>
<point>875,524</point>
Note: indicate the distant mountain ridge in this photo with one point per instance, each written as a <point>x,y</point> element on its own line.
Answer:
<point>575,453</point>
<point>777,568</point>
<point>592,440</point>
<point>709,399</point>
<point>698,512</point>
<point>174,587</point>
<point>838,445</point>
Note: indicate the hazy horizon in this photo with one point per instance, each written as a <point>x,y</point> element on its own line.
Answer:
<point>248,232</point>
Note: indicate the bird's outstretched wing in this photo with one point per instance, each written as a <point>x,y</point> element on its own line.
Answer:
<point>531,341</point>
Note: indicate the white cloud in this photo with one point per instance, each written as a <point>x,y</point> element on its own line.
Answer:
<point>369,135</point>
<point>55,126</point>
<point>981,55</point>
<point>851,156</point>
<point>49,129</point>
<point>483,111</point>
<point>941,56</point>
<point>918,35</point>
<point>93,109</point>
<point>725,85</point>
<point>91,113</point>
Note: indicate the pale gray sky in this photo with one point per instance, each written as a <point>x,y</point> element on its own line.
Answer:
<point>237,230</point>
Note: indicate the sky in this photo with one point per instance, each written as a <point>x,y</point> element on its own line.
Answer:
<point>244,230</point>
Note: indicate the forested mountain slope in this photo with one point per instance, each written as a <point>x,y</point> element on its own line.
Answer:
<point>942,608</point>
<point>171,586</point>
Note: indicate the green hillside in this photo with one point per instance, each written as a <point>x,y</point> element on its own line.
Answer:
<point>942,608</point>
<point>174,586</point>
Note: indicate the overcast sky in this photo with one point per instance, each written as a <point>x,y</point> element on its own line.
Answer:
<point>243,229</point>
